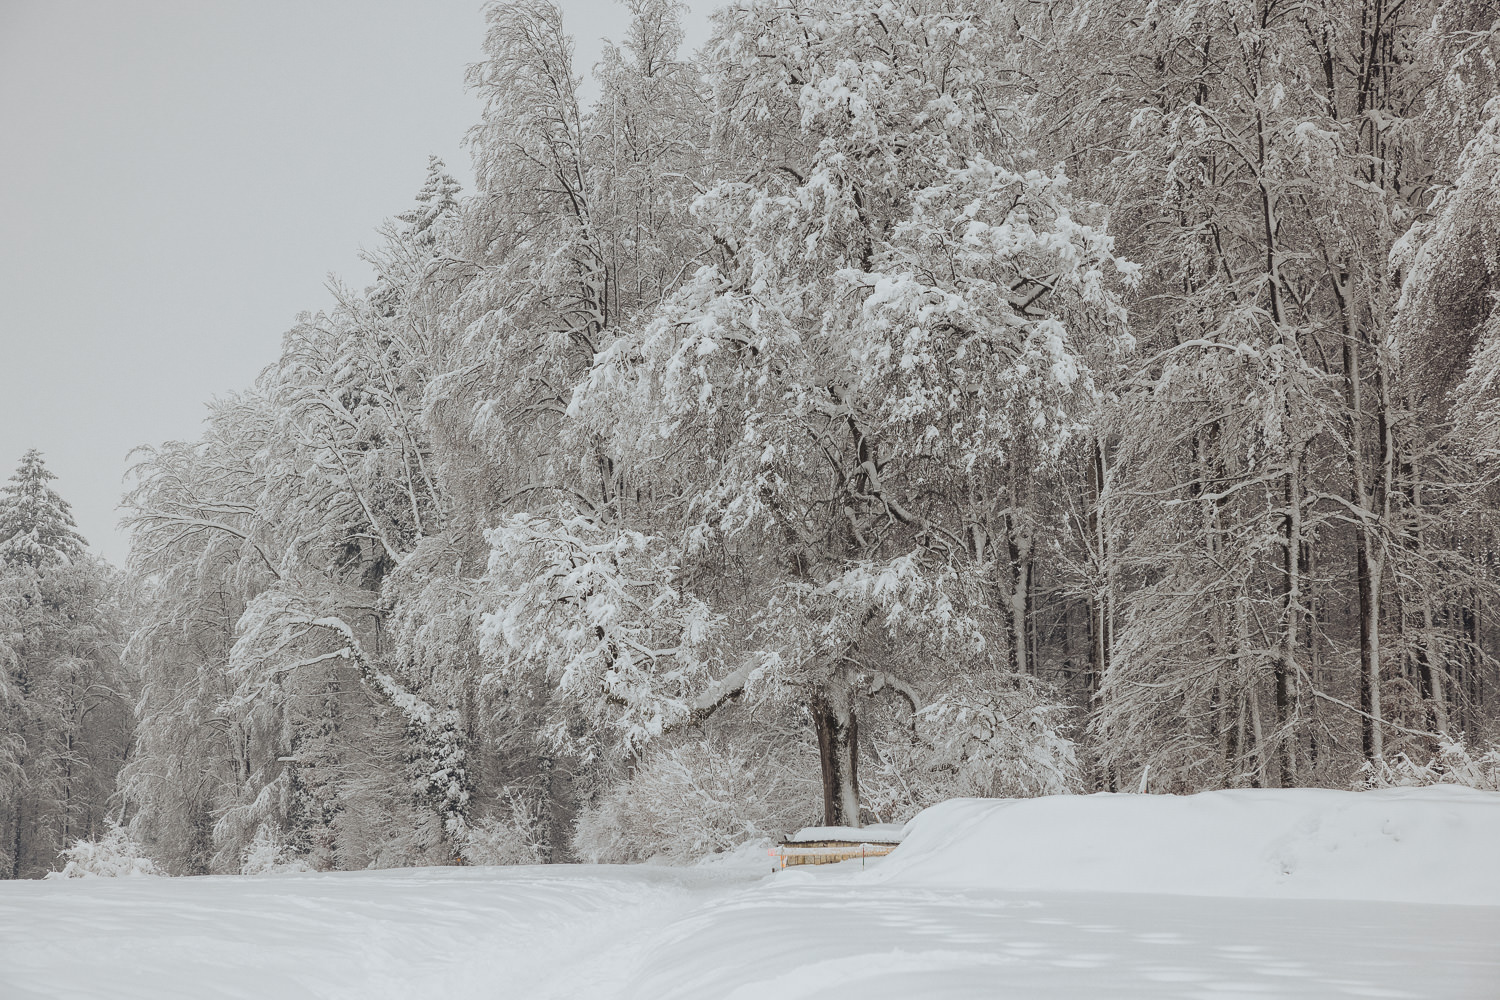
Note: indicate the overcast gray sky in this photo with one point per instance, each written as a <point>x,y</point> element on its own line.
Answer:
<point>177,181</point>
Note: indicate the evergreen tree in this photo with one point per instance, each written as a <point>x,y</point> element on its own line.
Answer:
<point>36,525</point>
<point>65,721</point>
<point>437,199</point>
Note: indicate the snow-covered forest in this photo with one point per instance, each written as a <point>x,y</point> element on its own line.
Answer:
<point>887,402</point>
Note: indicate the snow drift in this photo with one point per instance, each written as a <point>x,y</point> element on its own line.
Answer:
<point>965,908</point>
<point>1418,845</point>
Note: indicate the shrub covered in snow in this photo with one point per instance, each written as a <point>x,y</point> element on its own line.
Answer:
<point>110,856</point>
<point>515,836</point>
<point>1454,763</point>
<point>1001,739</point>
<point>699,798</point>
<point>268,854</point>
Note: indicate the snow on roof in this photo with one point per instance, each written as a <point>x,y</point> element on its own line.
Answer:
<point>875,833</point>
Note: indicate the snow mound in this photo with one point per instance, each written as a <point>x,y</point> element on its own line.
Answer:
<point>1439,844</point>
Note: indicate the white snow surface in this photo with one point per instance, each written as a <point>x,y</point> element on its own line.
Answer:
<point>1074,897</point>
<point>1415,845</point>
<point>875,833</point>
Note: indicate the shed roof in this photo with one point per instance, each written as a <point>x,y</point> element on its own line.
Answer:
<point>876,833</point>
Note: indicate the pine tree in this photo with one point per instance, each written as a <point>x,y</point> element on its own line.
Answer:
<point>437,199</point>
<point>36,525</point>
<point>65,720</point>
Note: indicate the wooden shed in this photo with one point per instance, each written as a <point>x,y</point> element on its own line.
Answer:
<point>827,845</point>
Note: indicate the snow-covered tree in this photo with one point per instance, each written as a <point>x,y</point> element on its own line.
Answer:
<point>36,525</point>
<point>112,855</point>
<point>1450,306</point>
<point>1263,162</point>
<point>65,719</point>
<point>262,548</point>
<point>887,343</point>
<point>997,399</point>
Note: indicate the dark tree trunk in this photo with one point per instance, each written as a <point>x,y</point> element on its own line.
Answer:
<point>1369,649</point>
<point>1098,604</point>
<point>1286,667</point>
<point>1470,661</point>
<point>15,858</point>
<point>838,753</point>
<point>1314,675</point>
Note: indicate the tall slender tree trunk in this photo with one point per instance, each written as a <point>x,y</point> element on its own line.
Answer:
<point>1430,670</point>
<point>1236,740</point>
<point>1314,653</point>
<point>15,844</point>
<point>1222,644</point>
<point>1258,734</point>
<point>1429,649</point>
<point>838,752</point>
<point>1367,569</point>
<point>67,811</point>
<point>1247,670</point>
<point>1018,545</point>
<point>1018,605</point>
<point>1470,662</point>
<point>1380,505</point>
<point>1369,563</point>
<point>1286,669</point>
<point>1098,604</point>
<point>1033,636</point>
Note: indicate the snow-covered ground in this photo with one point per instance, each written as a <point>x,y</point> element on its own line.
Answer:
<point>1409,845</point>
<point>407,934</point>
<point>1237,894</point>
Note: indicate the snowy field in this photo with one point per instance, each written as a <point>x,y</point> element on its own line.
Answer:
<point>1228,894</point>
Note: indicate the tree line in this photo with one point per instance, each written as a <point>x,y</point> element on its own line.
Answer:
<point>890,401</point>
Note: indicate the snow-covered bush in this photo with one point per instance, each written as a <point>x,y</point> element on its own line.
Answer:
<point>1003,739</point>
<point>113,855</point>
<point>699,798</point>
<point>514,839</point>
<point>1452,764</point>
<point>267,854</point>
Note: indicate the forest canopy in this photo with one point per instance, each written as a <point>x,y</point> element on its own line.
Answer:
<point>890,401</point>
